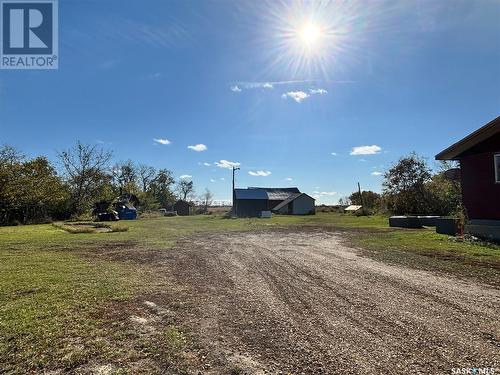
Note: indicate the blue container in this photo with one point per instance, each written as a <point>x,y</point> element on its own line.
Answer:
<point>127,213</point>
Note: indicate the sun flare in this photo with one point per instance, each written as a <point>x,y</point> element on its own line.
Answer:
<point>310,35</point>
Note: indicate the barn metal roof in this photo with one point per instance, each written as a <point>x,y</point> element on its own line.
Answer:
<point>276,194</point>
<point>250,194</point>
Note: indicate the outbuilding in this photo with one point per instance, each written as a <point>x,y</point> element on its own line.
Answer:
<point>353,209</point>
<point>250,202</point>
<point>183,208</point>
<point>479,157</point>
<point>296,204</point>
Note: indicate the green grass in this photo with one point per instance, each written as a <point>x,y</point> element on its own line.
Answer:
<point>47,300</point>
<point>54,290</point>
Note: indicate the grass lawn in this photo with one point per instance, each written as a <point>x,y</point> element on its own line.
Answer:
<point>55,297</point>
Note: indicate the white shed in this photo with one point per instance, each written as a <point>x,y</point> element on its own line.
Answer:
<point>296,204</point>
<point>353,209</point>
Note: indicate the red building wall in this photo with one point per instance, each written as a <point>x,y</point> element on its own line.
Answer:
<point>480,192</point>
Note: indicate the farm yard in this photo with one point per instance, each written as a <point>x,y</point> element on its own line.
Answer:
<point>320,294</point>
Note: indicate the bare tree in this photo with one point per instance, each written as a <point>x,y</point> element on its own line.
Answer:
<point>125,175</point>
<point>185,189</point>
<point>146,176</point>
<point>85,169</point>
<point>10,155</point>
<point>206,199</point>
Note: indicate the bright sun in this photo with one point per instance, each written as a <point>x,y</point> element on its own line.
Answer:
<point>309,35</point>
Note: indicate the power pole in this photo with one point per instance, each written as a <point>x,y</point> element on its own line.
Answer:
<point>234,195</point>
<point>361,197</point>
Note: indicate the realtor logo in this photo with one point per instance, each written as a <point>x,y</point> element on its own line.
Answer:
<point>29,34</point>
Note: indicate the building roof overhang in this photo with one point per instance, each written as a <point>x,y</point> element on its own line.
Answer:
<point>454,151</point>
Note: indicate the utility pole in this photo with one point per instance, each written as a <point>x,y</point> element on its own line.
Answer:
<point>361,197</point>
<point>234,195</point>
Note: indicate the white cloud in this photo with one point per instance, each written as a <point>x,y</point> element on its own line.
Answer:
<point>185,177</point>
<point>207,164</point>
<point>334,154</point>
<point>227,164</point>
<point>323,196</point>
<point>267,85</point>
<point>236,88</point>
<point>259,173</point>
<point>327,193</point>
<point>366,150</point>
<point>318,91</point>
<point>162,141</point>
<point>376,173</point>
<point>222,179</point>
<point>212,180</point>
<point>298,96</point>
<point>289,179</point>
<point>198,148</point>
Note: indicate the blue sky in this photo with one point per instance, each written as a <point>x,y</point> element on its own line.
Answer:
<point>292,91</point>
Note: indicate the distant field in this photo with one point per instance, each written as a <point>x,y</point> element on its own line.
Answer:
<point>62,295</point>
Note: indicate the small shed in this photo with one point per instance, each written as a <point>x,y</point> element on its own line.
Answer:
<point>353,209</point>
<point>296,204</point>
<point>183,208</point>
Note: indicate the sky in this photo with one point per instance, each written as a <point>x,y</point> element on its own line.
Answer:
<point>318,95</point>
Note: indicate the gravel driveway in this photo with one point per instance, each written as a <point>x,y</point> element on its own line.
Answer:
<point>306,303</point>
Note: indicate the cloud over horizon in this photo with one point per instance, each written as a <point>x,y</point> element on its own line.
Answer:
<point>366,150</point>
<point>162,141</point>
<point>298,96</point>
<point>259,173</point>
<point>227,164</point>
<point>198,148</point>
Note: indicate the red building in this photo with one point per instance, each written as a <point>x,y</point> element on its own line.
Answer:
<point>479,157</point>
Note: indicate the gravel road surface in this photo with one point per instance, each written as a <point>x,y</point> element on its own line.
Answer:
<point>305,303</point>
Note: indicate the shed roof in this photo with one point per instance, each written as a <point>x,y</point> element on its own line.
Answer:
<point>277,193</point>
<point>353,207</point>
<point>480,135</point>
<point>290,199</point>
<point>250,194</point>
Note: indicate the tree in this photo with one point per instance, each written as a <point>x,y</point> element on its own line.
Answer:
<point>125,177</point>
<point>344,201</point>
<point>85,169</point>
<point>370,199</point>
<point>42,193</point>
<point>10,155</point>
<point>206,199</point>
<point>404,185</point>
<point>445,194</point>
<point>30,190</point>
<point>146,176</point>
<point>185,189</point>
<point>161,188</point>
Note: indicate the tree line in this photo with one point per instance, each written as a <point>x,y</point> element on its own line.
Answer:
<point>411,188</point>
<point>35,190</point>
